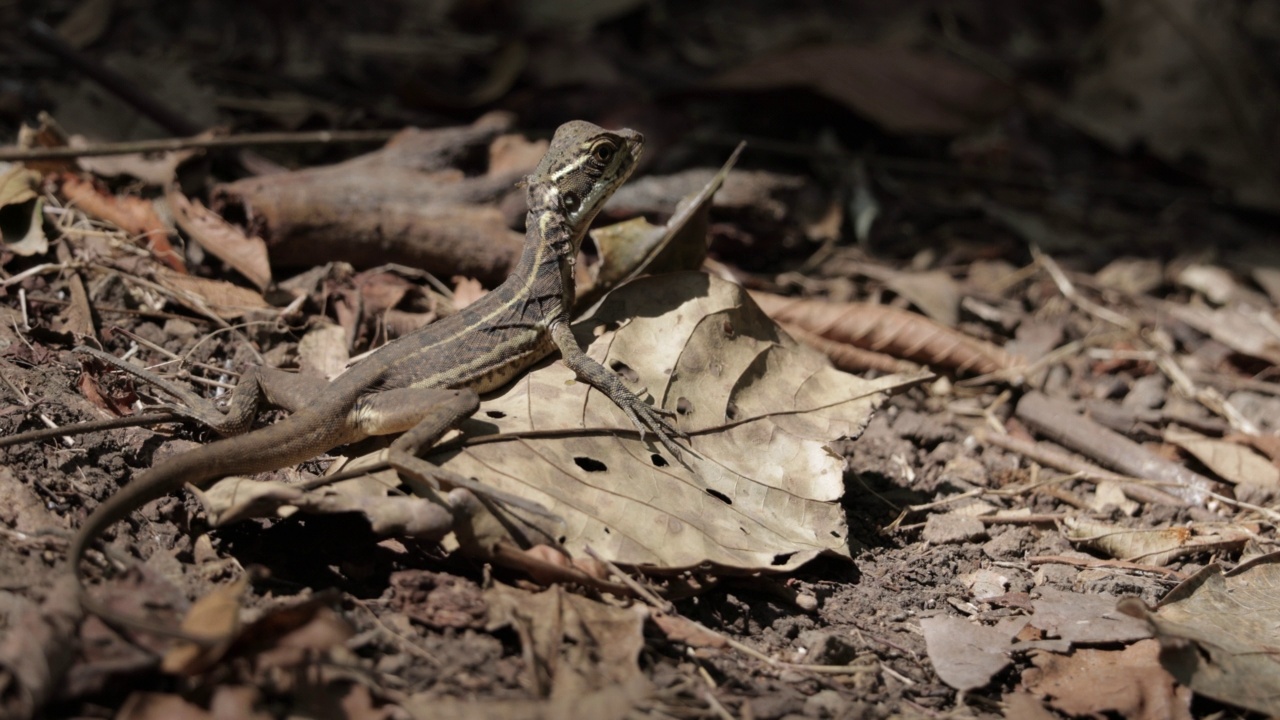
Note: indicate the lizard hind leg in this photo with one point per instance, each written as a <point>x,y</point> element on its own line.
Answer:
<point>423,415</point>
<point>240,411</point>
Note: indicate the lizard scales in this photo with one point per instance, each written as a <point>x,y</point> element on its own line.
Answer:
<point>444,364</point>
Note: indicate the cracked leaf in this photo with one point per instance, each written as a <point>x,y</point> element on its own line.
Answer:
<point>761,488</point>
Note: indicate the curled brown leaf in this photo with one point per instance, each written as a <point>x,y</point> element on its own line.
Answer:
<point>895,332</point>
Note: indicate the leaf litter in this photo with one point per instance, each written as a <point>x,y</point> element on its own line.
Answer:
<point>1117,292</point>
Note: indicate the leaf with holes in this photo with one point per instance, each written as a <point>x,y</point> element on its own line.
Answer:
<point>758,486</point>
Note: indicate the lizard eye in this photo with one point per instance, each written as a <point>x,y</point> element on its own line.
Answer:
<point>603,152</point>
<point>571,202</point>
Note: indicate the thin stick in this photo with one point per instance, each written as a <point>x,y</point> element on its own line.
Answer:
<point>1068,291</point>
<point>317,137</point>
<point>1059,422</point>
<point>1097,563</point>
<point>91,426</point>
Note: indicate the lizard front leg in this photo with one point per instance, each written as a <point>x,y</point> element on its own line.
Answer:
<point>643,415</point>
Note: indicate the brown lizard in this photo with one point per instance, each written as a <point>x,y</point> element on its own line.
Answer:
<point>425,382</point>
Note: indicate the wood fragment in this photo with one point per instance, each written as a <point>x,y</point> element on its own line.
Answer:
<point>405,203</point>
<point>1061,423</point>
<point>1050,456</point>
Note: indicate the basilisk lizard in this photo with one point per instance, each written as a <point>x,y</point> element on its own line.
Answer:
<point>423,383</point>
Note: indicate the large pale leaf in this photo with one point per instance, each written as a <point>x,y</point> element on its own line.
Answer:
<point>760,487</point>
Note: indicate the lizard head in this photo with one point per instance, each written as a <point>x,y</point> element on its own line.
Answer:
<point>582,168</point>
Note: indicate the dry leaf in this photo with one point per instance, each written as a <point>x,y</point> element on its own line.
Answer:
<point>847,357</point>
<point>1220,633</point>
<point>214,617</point>
<point>292,635</point>
<point>1154,546</point>
<point>1240,328</point>
<point>1133,276</point>
<point>1025,706</point>
<point>212,297</point>
<point>159,169</point>
<point>1214,283</point>
<point>246,255</point>
<point>515,153</point>
<point>629,249</point>
<point>984,583</point>
<point>27,239</point>
<point>760,488</point>
<point>322,352</point>
<point>1082,618</point>
<point>935,293</point>
<point>236,498</point>
<point>1109,493</point>
<point>1268,278</point>
<point>17,187</point>
<point>466,291</point>
<point>965,653</point>
<point>1129,682</point>
<point>582,659</point>
<point>687,632</point>
<point>1234,463</point>
<point>77,316</point>
<point>885,329</point>
<point>134,215</point>
<point>161,706</point>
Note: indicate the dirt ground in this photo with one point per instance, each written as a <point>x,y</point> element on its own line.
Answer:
<point>953,186</point>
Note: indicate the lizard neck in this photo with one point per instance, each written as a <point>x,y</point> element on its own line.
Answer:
<point>551,244</point>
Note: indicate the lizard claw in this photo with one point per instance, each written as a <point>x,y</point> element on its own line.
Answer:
<point>646,417</point>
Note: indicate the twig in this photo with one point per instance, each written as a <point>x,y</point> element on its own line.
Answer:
<point>1062,424</point>
<point>190,300</point>
<point>90,426</point>
<point>179,360</point>
<point>640,590</point>
<point>111,310</point>
<point>1069,291</point>
<point>1050,456</point>
<point>896,675</point>
<point>1098,563</point>
<point>36,270</point>
<point>316,137</point>
<point>403,642</point>
<point>709,697</point>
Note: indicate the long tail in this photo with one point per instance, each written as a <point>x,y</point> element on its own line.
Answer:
<point>288,442</point>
